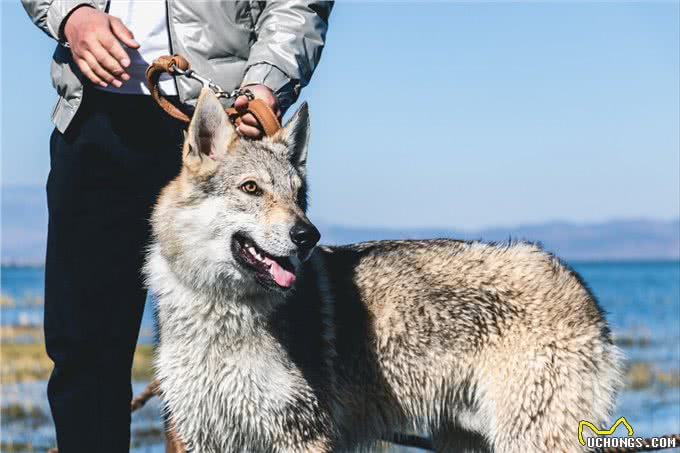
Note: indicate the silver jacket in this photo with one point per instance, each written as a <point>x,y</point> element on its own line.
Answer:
<point>275,43</point>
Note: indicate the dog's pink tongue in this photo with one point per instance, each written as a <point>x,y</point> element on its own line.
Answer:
<point>281,276</point>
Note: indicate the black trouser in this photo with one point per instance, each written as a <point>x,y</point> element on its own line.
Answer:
<point>106,172</point>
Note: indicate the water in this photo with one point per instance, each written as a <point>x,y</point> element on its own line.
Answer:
<point>641,299</point>
<point>39,432</point>
<point>25,286</point>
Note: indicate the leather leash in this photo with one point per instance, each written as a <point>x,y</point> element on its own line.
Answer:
<point>178,65</point>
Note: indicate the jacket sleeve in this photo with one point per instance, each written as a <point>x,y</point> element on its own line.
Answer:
<point>48,15</point>
<point>290,37</point>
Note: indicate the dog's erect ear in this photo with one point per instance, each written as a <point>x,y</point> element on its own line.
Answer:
<point>210,131</point>
<point>296,135</point>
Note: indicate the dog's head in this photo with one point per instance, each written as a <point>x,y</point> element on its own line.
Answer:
<point>237,209</point>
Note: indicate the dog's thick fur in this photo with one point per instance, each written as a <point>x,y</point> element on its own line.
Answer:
<point>488,347</point>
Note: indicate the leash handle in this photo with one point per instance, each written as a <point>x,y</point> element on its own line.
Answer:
<point>166,63</point>
<point>178,65</point>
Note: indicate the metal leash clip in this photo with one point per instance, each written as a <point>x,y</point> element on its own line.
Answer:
<point>207,83</point>
<point>177,65</point>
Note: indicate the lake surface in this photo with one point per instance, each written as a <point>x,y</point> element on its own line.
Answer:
<point>641,300</point>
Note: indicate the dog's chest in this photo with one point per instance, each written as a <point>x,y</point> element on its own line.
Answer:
<point>226,344</point>
<point>232,380</point>
<point>246,372</point>
<point>218,385</point>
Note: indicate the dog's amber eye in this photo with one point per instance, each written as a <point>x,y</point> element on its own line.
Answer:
<point>250,187</point>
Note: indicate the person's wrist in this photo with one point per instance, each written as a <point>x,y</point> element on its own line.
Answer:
<point>69,21</point>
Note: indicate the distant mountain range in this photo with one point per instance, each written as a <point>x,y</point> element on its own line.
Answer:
<point>24,220</point>
<point>612,240</point>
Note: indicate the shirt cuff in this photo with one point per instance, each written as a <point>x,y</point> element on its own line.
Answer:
<point>60,10</point>
<point>284,88</point>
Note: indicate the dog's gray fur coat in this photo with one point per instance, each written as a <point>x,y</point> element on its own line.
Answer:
<point>488,347</point>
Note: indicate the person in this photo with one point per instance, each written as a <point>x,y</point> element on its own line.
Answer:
<point>111,152</point>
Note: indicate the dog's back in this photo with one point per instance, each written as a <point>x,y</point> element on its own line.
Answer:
<point>496,346</point>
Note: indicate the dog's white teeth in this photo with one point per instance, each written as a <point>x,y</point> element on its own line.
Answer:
<point>255,253</point>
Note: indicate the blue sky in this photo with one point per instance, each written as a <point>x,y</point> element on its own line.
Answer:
<point>453,114</point>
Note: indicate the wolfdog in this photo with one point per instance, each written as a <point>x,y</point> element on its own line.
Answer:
<point>270,343</point>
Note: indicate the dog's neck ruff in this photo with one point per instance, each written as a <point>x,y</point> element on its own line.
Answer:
<point>225,298</point>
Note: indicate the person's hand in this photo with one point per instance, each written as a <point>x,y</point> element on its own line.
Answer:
<point>249,126</point>
<point>94,40</point>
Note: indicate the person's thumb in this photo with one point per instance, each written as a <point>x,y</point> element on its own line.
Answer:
<point>123,33</point>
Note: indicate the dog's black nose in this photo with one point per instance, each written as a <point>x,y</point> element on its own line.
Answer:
<point>305,235</point>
